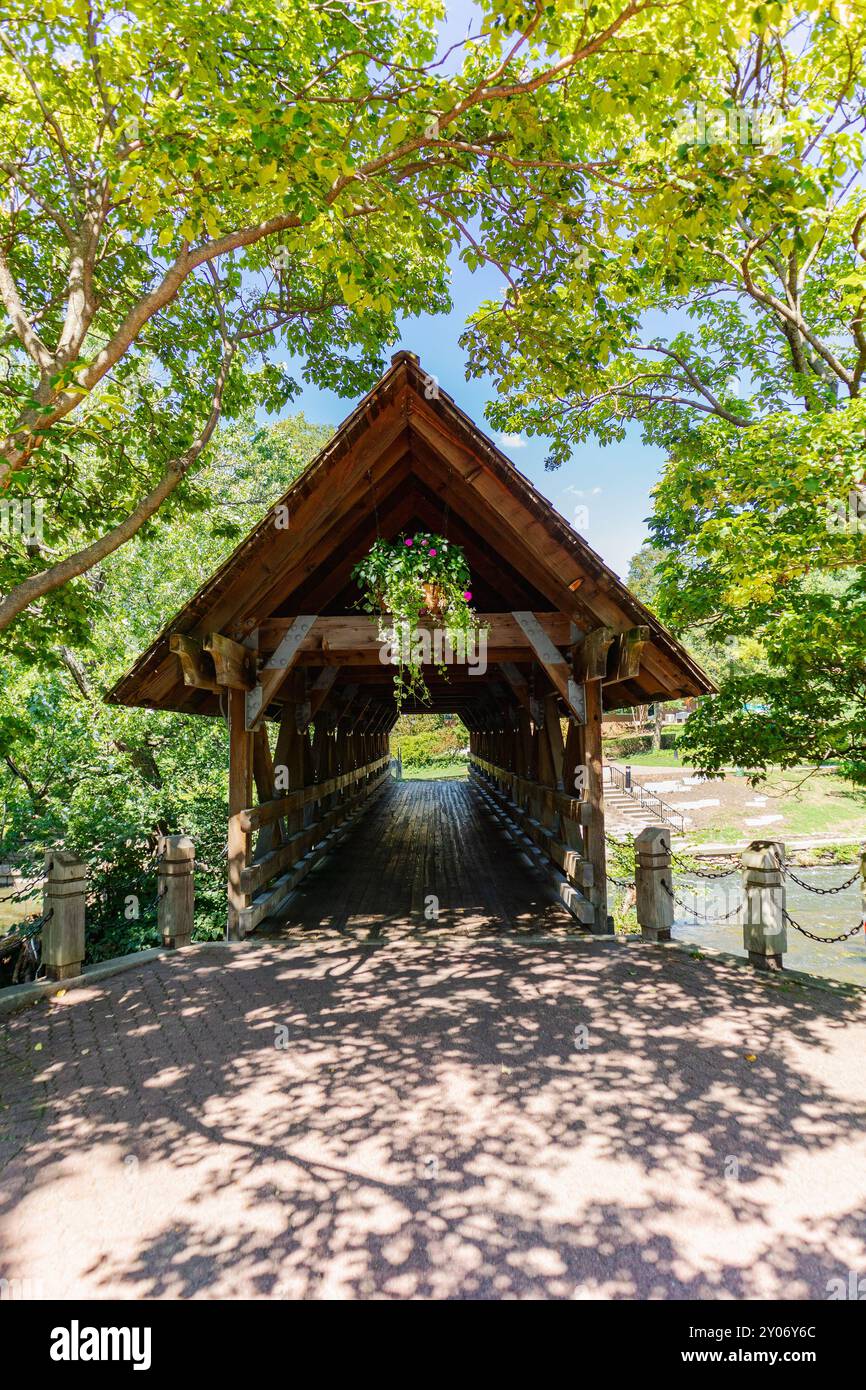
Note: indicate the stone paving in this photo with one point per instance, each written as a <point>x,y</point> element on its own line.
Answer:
<point>434,1126</point>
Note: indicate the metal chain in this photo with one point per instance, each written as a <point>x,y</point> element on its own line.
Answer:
<point>843,936</point>
<point>823,892</point>
<point>686,867</point>
<point>618,844</point>
<point>22,934</point>
<point>703,873</point>
<point>26,890</point>
<point>701,916</point>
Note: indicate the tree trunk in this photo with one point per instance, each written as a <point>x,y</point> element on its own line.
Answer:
<point>657,727</point>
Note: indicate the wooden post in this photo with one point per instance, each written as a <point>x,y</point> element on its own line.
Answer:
<point>764,934</point>
<point>263,776</point>
<point>240,799</point>
<point>176,902</point>
<point>653,883</point>
<point>595,844</point>
<point>863,884</point>
<point>63,933</point>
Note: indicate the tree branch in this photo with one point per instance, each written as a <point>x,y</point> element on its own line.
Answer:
<point>37,585</point>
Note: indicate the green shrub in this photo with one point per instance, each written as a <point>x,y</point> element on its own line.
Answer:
<point>630,745</point>
<point>431,747</point>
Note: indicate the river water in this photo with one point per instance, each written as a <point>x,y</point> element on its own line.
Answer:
<point>827,916</point>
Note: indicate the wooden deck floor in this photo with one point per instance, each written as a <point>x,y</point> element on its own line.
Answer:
<point>424,841</point>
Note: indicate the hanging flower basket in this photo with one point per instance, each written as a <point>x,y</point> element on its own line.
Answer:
<point>435,598</point>
<point>404,580</point>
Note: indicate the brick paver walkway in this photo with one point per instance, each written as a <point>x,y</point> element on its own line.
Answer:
<point>434,1127</point>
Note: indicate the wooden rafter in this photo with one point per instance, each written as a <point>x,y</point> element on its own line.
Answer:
<point>276,669</point>
<point>554,664</point>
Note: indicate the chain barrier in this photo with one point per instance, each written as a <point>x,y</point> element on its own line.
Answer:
<point>21,940</point>
<point>619,845</point>
<point>687,868</point>
<point>823,892</point>
<point>813,936</point>
<point>701,916</point>
<point>218,869</point>
<point>21,933</point>
<point>26,889</point>
<point>684,864</point>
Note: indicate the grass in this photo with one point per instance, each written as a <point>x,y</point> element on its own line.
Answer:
<point>440,771</point>
<point>817,806</point>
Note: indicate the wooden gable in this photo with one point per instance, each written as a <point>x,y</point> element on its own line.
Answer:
<point>406,458</point>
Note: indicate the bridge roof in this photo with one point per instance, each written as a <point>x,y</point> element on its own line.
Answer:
<point>406,458</point>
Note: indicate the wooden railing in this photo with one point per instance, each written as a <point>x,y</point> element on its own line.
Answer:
<point>553,823</point>
<point>328,808</point>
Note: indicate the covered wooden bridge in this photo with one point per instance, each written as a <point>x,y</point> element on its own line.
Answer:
<point>275,643</point>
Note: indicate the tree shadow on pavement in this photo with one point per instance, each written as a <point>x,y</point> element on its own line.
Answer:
<point>469,1118</point>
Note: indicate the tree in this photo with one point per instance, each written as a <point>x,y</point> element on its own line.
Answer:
<point>186,188</point>
<point>738,215</point>
<point>715,293</point>
<point>765,540</point>
<point>105,780</point>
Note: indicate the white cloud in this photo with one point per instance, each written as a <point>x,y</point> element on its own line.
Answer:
<point>512,441</point>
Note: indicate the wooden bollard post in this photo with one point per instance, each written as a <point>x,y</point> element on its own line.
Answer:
<point>176,909</point>
<point>764,933</point>
<point>64,899</point>
<point>653,883</point>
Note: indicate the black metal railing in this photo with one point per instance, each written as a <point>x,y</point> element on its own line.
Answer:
<point>647,800</point>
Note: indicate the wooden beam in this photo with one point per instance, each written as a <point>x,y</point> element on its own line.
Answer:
<point>554,664</point>
<point>517,682</point>
<point>591,758</point>
<point>234,664</point>
<point>321,688</point>
<point>240,796</point>
<point>192,663</point>
<point>555,742</point>
<point>254,817</point>
<point>625,658</point>
<point>276,669</point>
<point>263,776</point>
<point>348,697</point>
<point>590,656</point>
<point>354,633</point>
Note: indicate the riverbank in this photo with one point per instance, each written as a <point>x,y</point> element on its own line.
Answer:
<point>808,810</point>
<point>803,854</point>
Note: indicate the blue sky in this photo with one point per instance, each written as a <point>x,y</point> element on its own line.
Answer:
<point>612,483</point>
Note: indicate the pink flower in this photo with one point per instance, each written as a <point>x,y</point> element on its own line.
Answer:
<point>432,552</point>
<point>408,540</point>
<point>467,595</point>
